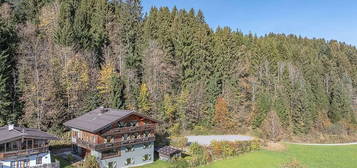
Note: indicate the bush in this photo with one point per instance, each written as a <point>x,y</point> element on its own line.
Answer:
<point>179,142</point>
<point>199,155</point>
<point>335,129</point>
<point>223,149</point>
<point>90,162</point>
<point>195,149</point>
<point>175,129</point>
<point>70,157</point>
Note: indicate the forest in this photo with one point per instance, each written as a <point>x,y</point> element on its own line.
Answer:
<point>62,58</point>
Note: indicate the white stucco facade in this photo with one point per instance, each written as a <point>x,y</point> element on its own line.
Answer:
<point>45,159</point>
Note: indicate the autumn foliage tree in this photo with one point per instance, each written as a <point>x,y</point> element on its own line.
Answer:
<point>222,118</point>
<point>144,104</point>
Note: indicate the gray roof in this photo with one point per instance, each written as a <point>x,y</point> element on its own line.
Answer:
<point>98,119</point>
<point>7,135</point>
<point>168,150</point>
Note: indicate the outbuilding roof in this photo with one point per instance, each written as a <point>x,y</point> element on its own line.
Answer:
<point>168,150</point>
<point>100,118</point>
<point>9,133</point>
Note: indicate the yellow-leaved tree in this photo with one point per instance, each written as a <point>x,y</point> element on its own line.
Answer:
<point>144,103</point>
<point>105,79</point>
<point>111,87</point>
<point>76,82</point>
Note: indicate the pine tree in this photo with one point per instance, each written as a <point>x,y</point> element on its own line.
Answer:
<point>65,33</point>
<point>98,32</point>
<point>8,78</point>
<point>117,92</point>
<point>130,18</point>
<point>340,104</point>
<point>5,99</point>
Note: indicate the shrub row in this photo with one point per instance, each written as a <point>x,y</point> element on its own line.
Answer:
<point>223,149</point>
<point>200,155</point>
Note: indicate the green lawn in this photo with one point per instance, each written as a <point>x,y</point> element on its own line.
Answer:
<point>309,156</point>
<point>157,164</point>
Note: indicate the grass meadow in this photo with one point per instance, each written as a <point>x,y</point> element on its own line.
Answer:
<point>308,156</point>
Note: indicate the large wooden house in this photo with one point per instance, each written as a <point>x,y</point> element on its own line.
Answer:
<point>24,147</point>
<point>117,138</point>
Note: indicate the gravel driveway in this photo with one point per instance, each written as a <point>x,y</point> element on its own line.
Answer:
<point>206,140</point>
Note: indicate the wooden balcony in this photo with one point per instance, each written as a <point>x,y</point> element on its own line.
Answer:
<point>106,146</point>
<point>125,130</point>
<point>111,145</point>
<point>22,153</point>
<point>83,144</point>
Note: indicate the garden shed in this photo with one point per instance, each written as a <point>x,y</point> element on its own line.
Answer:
<point>168,152</point>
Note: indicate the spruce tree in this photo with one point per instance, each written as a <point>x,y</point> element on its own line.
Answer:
<point>10,104</point>
<point>340,104</point>
<point>5,98</point>
<point>117,92</point>
<point>65,33</point>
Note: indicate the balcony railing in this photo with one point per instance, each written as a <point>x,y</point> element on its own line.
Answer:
<point>111,145</point>
<point>21,153</point>
<point>110,155</point>
<point>124,130</point>
<point>106,146</point>
<point>83,144</point>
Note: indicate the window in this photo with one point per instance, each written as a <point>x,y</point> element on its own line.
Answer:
<point>94,139</point>
<point>29,143</point>
<point>109,139</point>
<point>125,137</point>
<point>146,133</point>
<point>2,148</point>
<point>27,163</point>
<point>14,145</point>
<point>112,164</point>
<point>121,124</point>
<point>129,161</point>
<point>129,149</point>
<point>146,157</point>
<point>132,123</point>
<point>38,160</point>
<point>13,164</point>
<point>22,163</point>
<point>147,145</point>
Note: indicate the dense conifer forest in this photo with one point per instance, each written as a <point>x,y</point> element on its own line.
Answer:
<point>62,58</point>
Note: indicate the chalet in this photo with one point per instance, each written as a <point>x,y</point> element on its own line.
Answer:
<point>117,138</point>
<point>24,147</point>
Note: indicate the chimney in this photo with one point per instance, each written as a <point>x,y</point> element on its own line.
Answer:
<point>103,110</point>
<point>11,127</point>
